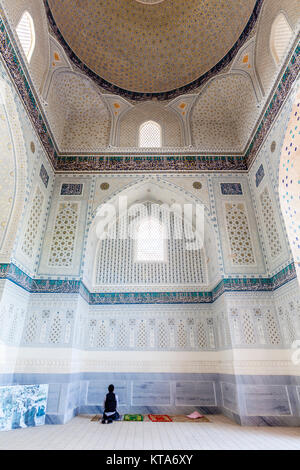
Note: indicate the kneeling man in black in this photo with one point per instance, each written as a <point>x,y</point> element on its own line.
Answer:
<point>110,406</point>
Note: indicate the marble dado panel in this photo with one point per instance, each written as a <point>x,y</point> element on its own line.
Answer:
<point>172,393</point>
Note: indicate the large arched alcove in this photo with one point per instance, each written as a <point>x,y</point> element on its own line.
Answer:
<point>150,246</point>
<point>13,171</point>
<point>167,202</point>
<point>289,181</point>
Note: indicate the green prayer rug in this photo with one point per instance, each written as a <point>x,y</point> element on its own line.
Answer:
<point>133,417</point>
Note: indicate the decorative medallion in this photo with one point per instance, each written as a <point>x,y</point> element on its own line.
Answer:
<point>104,186</point>
<point>273,146</point>
<point>197,185</point>
<point>32,147</point>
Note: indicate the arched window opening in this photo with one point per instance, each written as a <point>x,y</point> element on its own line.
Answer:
<point>281,34</point>
<point>150,135</point>
<point>26,34</point>
<point>150,241</point>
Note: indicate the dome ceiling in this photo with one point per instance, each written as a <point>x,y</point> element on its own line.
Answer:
<point>146,46</point>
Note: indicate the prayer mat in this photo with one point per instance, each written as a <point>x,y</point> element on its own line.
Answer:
<point>96,418</point>
<point>99,417</point>
<point>185,419</point>
<point>133,417</point>
<point>195,415</point>
<point>160,418</point>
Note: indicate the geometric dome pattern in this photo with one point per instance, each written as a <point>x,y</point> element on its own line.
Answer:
<point>151,47</point>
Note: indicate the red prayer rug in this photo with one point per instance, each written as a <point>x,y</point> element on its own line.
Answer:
<point>160,418</point>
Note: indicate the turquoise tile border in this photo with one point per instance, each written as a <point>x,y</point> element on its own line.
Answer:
<point>59,286</point>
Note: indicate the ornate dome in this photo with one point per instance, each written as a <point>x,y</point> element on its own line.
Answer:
<point>150,46</point>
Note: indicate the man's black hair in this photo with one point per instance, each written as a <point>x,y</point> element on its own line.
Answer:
<point>111,388</point>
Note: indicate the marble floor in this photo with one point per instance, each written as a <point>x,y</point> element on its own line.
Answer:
<point>82,434</point>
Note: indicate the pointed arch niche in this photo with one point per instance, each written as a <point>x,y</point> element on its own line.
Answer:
<point>124,265</point>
